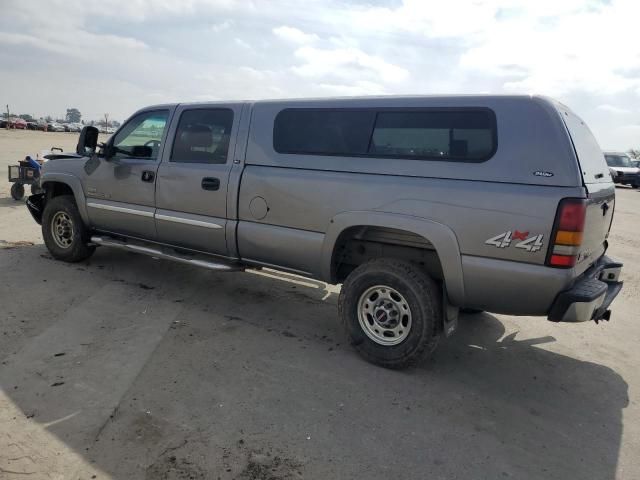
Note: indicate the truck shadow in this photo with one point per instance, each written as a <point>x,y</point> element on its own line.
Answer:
<point>249,368</point>
<point>10,202</point>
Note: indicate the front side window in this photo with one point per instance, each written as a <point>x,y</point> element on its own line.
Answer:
<point>428,134</point>
<point>141,136</point>
<point>203,136</point>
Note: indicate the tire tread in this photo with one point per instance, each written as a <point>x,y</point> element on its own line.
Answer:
<point>428,295</point>
<point>80,250</point>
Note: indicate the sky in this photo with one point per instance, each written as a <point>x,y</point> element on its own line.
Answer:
<point>117,56</point>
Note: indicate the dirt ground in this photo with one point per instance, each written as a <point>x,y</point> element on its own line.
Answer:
<point>125,367</point>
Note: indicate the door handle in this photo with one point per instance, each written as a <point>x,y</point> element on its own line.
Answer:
<point>209,183</point>
<point>148,176</point>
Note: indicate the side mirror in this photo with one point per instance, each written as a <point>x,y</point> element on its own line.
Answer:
<point>88,141</point>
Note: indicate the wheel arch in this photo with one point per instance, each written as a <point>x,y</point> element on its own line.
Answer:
<point>442,239</point>
<point>55,184</point>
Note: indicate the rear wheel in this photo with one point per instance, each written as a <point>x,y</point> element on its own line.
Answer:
<point>64,232</point>
<point>17,191</point>
<point>390,310</point>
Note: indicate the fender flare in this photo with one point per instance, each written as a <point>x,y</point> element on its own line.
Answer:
<point>441,237</point>
<point>74,184</point>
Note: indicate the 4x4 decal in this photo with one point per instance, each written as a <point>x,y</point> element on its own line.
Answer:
<point>504,240</point>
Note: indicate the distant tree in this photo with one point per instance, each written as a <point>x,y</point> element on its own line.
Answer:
<point>634,152</point>
<point>115,123</point>
<point>48,119</point>
<point>73,115</point>
<point>26,117</point>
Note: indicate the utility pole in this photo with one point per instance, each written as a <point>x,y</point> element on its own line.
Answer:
<point>106,121</point>
<point>8,122</point>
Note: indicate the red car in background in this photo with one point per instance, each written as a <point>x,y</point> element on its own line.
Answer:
<point>18,123</point>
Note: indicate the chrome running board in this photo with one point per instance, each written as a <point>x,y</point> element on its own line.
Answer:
<point>163,254</point>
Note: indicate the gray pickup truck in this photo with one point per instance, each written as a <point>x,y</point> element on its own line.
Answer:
<point>418,206</point>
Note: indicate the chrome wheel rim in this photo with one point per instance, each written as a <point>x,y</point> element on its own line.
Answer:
<point>62,229</point>
<point>384,315</point>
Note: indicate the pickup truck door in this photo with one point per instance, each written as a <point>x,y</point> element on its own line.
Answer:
<point>120,190</point>
<point>193,178</point>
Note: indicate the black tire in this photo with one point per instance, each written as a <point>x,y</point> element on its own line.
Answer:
<point>34,189</point>
<point>71,232</point>
<point>17,191</point>
<point>417,291</point>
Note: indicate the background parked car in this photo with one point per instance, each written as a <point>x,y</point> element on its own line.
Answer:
<point>18,123</point>
<point>55,127</point>
<point>622,169</point>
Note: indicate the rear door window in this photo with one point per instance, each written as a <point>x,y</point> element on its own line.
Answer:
<point>203,136</point>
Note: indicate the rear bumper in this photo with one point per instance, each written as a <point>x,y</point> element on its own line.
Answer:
<point>591,295</point>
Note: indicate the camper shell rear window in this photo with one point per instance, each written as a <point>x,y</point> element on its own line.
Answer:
<point>446,134</point>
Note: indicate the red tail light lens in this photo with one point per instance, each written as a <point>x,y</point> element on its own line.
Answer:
<point>562,260</point>
<point>572,212</point>
<point>567,233</point>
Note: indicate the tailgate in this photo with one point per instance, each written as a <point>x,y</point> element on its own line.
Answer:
<point>599,186</point>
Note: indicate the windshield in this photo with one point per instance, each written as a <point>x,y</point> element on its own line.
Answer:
<point>618,161</point>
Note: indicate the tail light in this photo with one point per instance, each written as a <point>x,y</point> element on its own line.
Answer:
<point>567,233</point>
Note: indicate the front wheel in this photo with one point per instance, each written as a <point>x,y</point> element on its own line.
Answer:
<point>17,191</point>
<point>390,310</point>
<point>64,232</point>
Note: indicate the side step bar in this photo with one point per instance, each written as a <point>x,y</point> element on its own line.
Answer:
<point>164,255</point>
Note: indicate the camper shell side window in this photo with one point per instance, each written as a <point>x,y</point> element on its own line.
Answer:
<point>445,134</point>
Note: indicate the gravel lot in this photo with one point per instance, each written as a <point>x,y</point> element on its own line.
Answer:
<point>125,367</point>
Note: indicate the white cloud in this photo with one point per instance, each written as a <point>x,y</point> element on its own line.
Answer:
<point>587,49</point>
<point>294,35</point>
<point>431,18</point>
<point>605,107</point>
<point>241,43</point>
<point>221,26</point>
<point>354,89</point>
<point>346,63</point>
<point>128,53</point>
